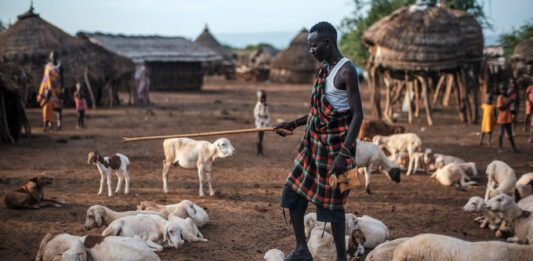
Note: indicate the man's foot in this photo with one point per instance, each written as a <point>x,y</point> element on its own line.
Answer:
<point>306,256</point>
<point>58,128</point>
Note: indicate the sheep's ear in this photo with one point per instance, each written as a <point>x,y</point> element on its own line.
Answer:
<point>97,216</point>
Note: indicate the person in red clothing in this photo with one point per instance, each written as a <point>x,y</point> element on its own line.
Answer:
<point>505,119</point>
<point>529,107</point>
<point>512,92</point>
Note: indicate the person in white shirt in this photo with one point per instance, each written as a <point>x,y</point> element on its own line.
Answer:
<point>262,118</point>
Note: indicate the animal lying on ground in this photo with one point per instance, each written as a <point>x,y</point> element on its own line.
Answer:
<point>274,255</point>
<point>106,165</point>
<point>500,178</point>
<point>311,222</point>
<point>408,142</point>
<point>184,209</point>
<point>31,195</point>
<point>523,187</point>
<point>98,216</point>
<point>489,217</point>
<point>190,154</point>
<point>439,160</point>
<point>520,220</point>
<point>322,246</point>
<point>385,250</point>
<point>374,230</point>
<point>61,247</point>
<point>432,247</point>
<point>452,174</point>
<point>190,232</point>
<point>371,128</point>
<point>369,158</point>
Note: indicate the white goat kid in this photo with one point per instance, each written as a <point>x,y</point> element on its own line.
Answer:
<point>452,174</point>
<point>439,160</point>
<point>98,216</point>
<point>190,154</point>
<point>106,165</point>
<point>396,143</point>
<point>184,209</point>
<point>369,158</point>
<point>190,232</point>
<point>501,178</point>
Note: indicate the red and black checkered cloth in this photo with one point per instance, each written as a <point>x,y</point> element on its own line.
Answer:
<point>324,136</point>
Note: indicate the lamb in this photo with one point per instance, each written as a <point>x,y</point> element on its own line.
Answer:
<point>523,187</point>
<point>311,222</point>
<point>519,219</point>
<point>369,158</point>
<point>117,248</point>
<point>190,232</point>
<point>490,218</point>
<point>452,174</point>
<point>403,160</point>
<point>61,247</point>
<point>371,128</point>
<point>189,153</point>
<point>501,178</point>
<point>154,230</point>
<point>439,160</point>
<point>98,216</point>
<point>184,209</point>
<point>322,246</point>
<point>274,255</point>
<point>107,165</point>
<point>434,247</point>
<point>374,230</point>
<point>385,250</point>
<point>409,142</point>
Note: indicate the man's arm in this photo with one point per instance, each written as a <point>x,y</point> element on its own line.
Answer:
<point>290,125</point>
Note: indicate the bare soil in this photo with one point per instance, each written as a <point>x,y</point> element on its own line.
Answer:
<point>246,219</point>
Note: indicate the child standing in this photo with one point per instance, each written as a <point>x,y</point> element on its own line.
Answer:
<point>262,118</point>
<point>529,106</point>
<point>488,124</point>
<point>504,117</point>
<point>81,105</point>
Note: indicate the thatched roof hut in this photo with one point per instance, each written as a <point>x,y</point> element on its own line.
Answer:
<point>472,33</point>
<point>175,62</point>
<point>224,66</point>
<point>521,59</point>
<point>12,113</point>
<point>29,42</point>
<point>295,64</point>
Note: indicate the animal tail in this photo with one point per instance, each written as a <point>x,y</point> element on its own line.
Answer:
<point>42,246</point>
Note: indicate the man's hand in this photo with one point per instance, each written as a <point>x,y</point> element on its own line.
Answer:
<point>288,125</point>
<point>339,165</point>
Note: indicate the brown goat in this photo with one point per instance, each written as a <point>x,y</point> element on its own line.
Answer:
<point>371,128</point>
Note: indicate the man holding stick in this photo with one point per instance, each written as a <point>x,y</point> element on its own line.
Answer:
<point>328,145</point>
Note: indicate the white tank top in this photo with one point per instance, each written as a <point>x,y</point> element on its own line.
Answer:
<point>337,98</point>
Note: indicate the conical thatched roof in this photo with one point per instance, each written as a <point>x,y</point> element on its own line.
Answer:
<point>524,51</point>
<point>472,33</point>
<point>417,37</point>
<point>29,42</point>
<point>297,56</point>
<point>208,40</point>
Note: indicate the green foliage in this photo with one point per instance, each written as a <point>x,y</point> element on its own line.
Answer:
<point>474,7</point>
<point>3,27</point>
<point>510,40</point>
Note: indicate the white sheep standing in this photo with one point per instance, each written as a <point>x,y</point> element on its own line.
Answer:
<point>98,216</point>
<point>519,219</point>
<point>61,247</point>
<point>190,232</point>
<point>501,178</point>
<point>369,158</point>
<point>432,247</point>
<point>477,205</point>
<point>385,250</point>
<point>452,174</point>
<point>154,230</point>
<point>274,255</point>
<point>190,154</point>
<point>184,209</point>
<point>374,230</point>
<point>106,165</point>
<point>396,143</point>
<point>101,248</point>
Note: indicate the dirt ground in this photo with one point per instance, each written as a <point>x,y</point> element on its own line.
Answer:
<point>246,219</point>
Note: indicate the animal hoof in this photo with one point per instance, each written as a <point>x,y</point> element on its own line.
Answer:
<point>211,194</point>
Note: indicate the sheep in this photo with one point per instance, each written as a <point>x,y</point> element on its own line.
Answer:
<point>526,203</point>
<point>452,174</point>
<point>98,216</point>
<point>434,247</point>
<point>490,218</point>
<point>439,160</point>
<point>371,128</point>
<point>61,247</point>
<point>396,143</point>
<point>385,250</point>
<point>107,165</point>
<point>154,230</point>
<point>322,246</point>
<point>520,220</point>
<point>403,160</point>
<point>274,255</point>
<point>523,187</point>
<point>189,153</point>
<point>118,248</point>
<point>184,209</point>
<point>369,158</point>
<point>501,178</point>
<point>374,230</point>
<point>311,222</point>
<point>190,232</point>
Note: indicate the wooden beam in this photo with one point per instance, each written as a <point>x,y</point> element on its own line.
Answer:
<point>459,100</point>
<point>450,81</point>
<point>425,93</point>
<point>441,82</point>
<point>417,97</point>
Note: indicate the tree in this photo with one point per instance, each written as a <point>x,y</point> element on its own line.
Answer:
<point>3,28</point>
<point>510,40</point>
<point>352,28</point>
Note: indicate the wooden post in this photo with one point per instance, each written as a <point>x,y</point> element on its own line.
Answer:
<point>450,81</point>
<point>417,97</point>
<point>89,89</point>
<point>459,100</point>
<point>464,95</point>
<point>442,81</point>
<point>388,85</point>
<point>375,93</point>
<point>424,80</point>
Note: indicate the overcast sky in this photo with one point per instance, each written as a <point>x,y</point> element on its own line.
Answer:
<point>188,17</point>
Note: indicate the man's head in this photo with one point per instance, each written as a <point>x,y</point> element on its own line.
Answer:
<point>322,40</point>
<point>53,57</point>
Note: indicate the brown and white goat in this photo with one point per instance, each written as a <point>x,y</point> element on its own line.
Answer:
<point>106,165</point>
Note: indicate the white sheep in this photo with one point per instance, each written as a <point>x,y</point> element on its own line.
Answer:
<point>184,209</point>
<point>385,250</point>
<point>402,161</point>
<point>322,246</point>
<point>154,230</point>
<point>523,187</point>
<point>61,247</point>
<point>489,217</point>
<point>99,248</point>
<point>374,230</point>
<point>274,255</point>
<point>501,178</point>
<point>98,216</point>
<point>452,174</point>
<point>311,222</point>
<point>106,165</point>
<point>439,160</point>
<point>396,143</point>
<point>369,158</point>
<point>432,247</point>
<point>519,219</point>
<point>190,232</point>
<point>526,203</point>
<point>190,154</point>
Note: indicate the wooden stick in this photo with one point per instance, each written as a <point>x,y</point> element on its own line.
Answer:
<point>89,89</point>
<point>287,132</point>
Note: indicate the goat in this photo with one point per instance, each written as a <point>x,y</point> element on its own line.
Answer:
<point>190,232</point>
<point>439,160</point>
<point>490,218</point>
<point>396,143</point>
<point>501,178</point>
<point>274,255</point>
<point>519,219</point>
<point>523,187</point>
<point>118,248</point>
<point>369,158</point>
<point>452,174</point>
<point>106,165</point>
<point>184,209</point>
<point>98,216</point>
<point>61,247</point>
<point>371,128</point>
<point>385,250</point>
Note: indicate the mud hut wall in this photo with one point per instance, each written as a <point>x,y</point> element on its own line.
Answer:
<point>290,76</point>
<point>176,76</point>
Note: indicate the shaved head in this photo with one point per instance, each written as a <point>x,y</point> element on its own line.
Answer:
<point>326,30</point>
